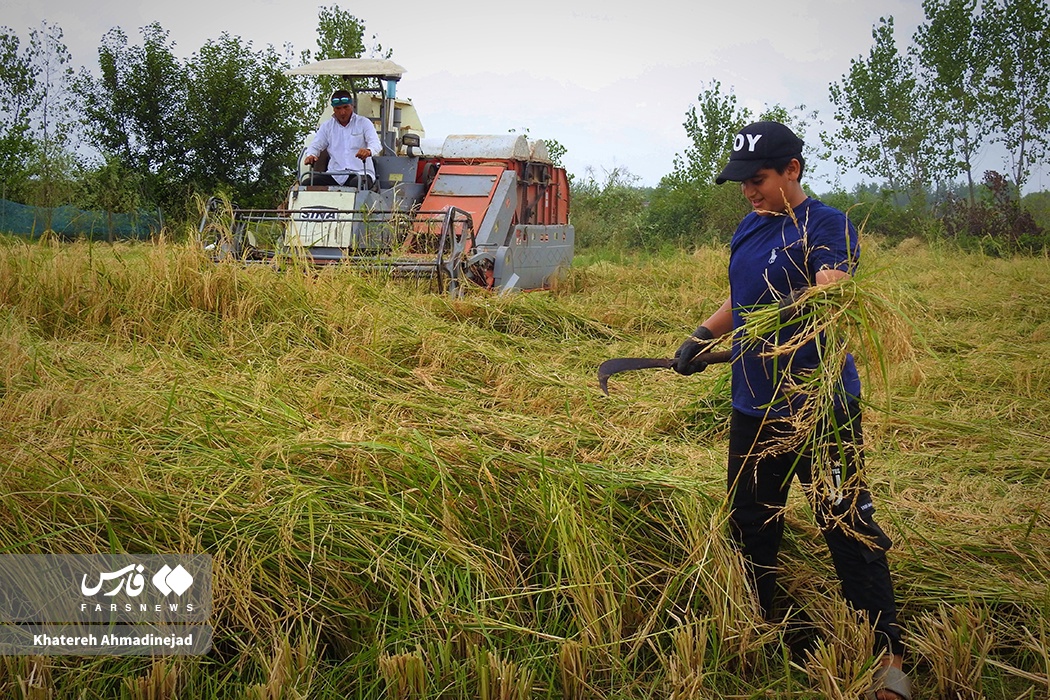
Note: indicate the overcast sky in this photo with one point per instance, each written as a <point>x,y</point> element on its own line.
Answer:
<point>611,80</point>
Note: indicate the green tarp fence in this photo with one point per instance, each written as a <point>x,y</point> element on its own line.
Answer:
<point>70,222</point>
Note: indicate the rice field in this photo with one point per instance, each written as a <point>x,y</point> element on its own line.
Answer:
<point>412,496</point>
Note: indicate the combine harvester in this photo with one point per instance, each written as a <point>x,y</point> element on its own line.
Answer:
<point>489,211</point>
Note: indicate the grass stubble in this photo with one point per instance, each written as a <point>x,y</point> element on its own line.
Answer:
<point>407,495</point>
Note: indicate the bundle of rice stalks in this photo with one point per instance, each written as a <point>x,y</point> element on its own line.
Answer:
<point>405,674</point>
<point>290,671</point>
<point>849,315</point>
<point>160,683</point>
<point>500,679</point>
<point>838,318</point>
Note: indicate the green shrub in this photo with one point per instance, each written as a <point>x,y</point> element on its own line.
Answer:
<point>1038,205</point>
<point>878,213</point>
<point>609,213</point>
<point>995,224</point>
<point>690,215</point>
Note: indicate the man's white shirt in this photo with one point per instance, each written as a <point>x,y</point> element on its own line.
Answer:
<point>343,142</point>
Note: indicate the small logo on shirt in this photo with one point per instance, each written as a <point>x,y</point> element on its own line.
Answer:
<point>772,256</point>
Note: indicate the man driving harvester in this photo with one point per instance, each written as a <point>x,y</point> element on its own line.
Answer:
<point>350,140</point>
<point>788,243</point>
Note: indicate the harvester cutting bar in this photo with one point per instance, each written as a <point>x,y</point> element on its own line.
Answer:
<point>434,244</point>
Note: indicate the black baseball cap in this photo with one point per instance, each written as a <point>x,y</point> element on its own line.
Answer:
<point>756,144</point>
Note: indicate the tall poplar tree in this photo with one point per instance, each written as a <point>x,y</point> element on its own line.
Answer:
<point>1019,33</point>
<point>885,130</point>
<point>53,166</point>
<point>954,57</point>
<point>339,35</point>
<point>709,124</point>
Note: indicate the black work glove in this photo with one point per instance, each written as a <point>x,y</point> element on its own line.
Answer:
<point>701,341</point>
<point>789,309</point>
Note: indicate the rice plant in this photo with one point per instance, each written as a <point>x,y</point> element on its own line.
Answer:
<point>955,641</point>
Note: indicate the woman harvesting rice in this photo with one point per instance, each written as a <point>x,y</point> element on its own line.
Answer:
<point>788,244</point>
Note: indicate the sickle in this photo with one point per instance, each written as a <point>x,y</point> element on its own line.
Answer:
<point>625,364</point>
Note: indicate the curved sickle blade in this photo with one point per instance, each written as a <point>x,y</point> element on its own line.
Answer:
<point>626,364</point>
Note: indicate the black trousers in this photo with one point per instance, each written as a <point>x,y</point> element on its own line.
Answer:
<point>760,476</point>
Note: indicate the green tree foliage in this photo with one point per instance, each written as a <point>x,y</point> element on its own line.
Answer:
<point>245,121</point>
<point>1038,205</point>
<point>879,211</point>
<point>709,130</point>
<point>136,109</point>
<point>978,73</point>
<point>226,119</point>
<point>958,88</point>
<point>884,128</point>
<point>339,35</point>
<point>691,215</point>
<point>19,96</point>
<point>37,162</point>
<point>1019,33</point>
<point>686,207</point>
<point>556,150</point>
<point>112,188</point>
<point>986,68</point>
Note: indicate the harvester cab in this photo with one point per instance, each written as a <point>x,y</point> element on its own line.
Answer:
<point>490,211</point>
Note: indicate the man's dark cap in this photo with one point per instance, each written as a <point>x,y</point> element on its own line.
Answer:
<point>754,145</point>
